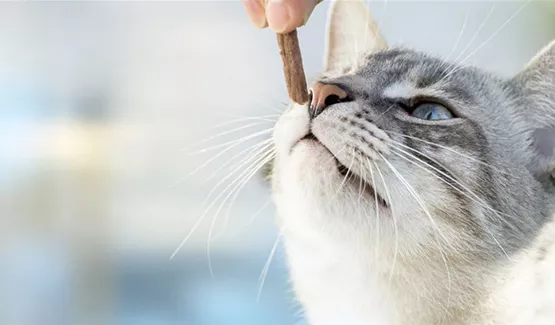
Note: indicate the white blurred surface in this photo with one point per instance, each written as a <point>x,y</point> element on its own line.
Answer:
<point>101,103</point>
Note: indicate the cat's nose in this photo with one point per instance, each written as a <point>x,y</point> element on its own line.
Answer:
<point>324,95</point>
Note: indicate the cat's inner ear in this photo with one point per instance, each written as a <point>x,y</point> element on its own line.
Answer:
<point>537,82</point>
<point>351,32</point>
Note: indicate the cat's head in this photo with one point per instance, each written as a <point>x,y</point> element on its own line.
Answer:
<point>408,151</point>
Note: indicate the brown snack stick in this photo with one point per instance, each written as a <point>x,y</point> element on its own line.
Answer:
<point>293,66</point>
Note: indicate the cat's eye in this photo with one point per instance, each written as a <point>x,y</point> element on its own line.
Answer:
<point>432,112</point>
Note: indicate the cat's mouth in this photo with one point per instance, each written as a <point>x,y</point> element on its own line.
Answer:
<point>350,175</point>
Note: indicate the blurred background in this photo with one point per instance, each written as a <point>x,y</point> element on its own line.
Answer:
<point>126,127</point>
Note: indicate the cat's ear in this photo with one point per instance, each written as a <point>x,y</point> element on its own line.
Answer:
<point>537,83</point>
<point>351,31</point>
<point>539,72</point>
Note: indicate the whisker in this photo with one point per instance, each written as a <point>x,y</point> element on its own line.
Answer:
<point>438,231</point>
<point>487,40</point>
<point>251,171</point>
<point>459,37</point>
<point>245,154</point>
<point>346,174</point>
<point>252,218</point>
<point>394,223</point>
<point>445,62</point>
<point>198,222</point>
<point>492,9</point>
<point>477,199</point>
<point>230,131</point>
<point>361,184</point>
<point>377,207</point>
<point>334,155</point>
<point>207,162</point>
<point>498,30</point>
<point>384,112</point>
<point>453,66</point>
<point>264,274</point>
<point>255,157</point>
<point>240,140</point>
<point>264,118</point>
<point>273,99</point>
<point>447,148</point>
<point>234,198</point>
<point>394,147</point>
<point>413,192</point>
<point>258,212</point>
<point>480,202</point>
<point>453,71</point>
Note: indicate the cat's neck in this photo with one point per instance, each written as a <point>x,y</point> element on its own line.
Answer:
<point>340,283</point>
<point>346,283</point>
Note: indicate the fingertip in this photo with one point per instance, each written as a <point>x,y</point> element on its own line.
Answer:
<point>285,15</point>
<point>255,12</point>
<point>278,16</point>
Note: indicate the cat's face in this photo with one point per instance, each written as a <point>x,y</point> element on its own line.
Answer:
<point>419,153</point>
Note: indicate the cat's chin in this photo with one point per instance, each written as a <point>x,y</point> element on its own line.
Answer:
<point>309,138</point>
<point>362,185</point>
<point>314,152</point>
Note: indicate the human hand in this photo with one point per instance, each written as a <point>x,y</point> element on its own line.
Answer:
<point>281,16</point>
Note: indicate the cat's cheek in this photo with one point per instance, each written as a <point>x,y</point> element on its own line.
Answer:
<point>292,126</point>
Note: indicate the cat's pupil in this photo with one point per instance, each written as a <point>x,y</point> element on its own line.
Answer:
<point>432,112</point>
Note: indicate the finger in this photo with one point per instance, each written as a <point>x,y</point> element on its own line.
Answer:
<point>255,11</point>
<point>285,15</point>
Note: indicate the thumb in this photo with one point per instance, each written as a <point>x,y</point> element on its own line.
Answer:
<point>256,12</point>
<point>285,15</point>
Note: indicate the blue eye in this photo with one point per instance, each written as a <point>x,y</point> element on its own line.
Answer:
<point>432,112</point>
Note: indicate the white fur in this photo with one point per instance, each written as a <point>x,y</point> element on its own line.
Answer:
<point>342,271</point>
<point>354,266</point>
<point>407,90</point>
<point>526,293</point>
<point>342,278</point>
<point>400,90</point>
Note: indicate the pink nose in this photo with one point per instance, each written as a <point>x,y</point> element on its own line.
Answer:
<point>324,95</point>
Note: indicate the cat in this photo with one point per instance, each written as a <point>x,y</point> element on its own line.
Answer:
<point>416,191</point>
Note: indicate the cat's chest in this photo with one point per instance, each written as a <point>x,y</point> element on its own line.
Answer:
<point>527,295</point>
<point>336,286</point>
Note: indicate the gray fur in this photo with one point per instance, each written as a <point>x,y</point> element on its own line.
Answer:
<point>485,176</point>
<point>499,123</point>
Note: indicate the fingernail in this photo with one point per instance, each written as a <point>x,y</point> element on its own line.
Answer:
<point>255,12</point>
<point>278,15</point>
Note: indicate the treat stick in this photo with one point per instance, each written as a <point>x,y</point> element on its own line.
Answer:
<point>293,66</point>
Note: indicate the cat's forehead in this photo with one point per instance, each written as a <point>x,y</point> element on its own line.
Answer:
<point>402,73</point>
<point>397,65</point>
